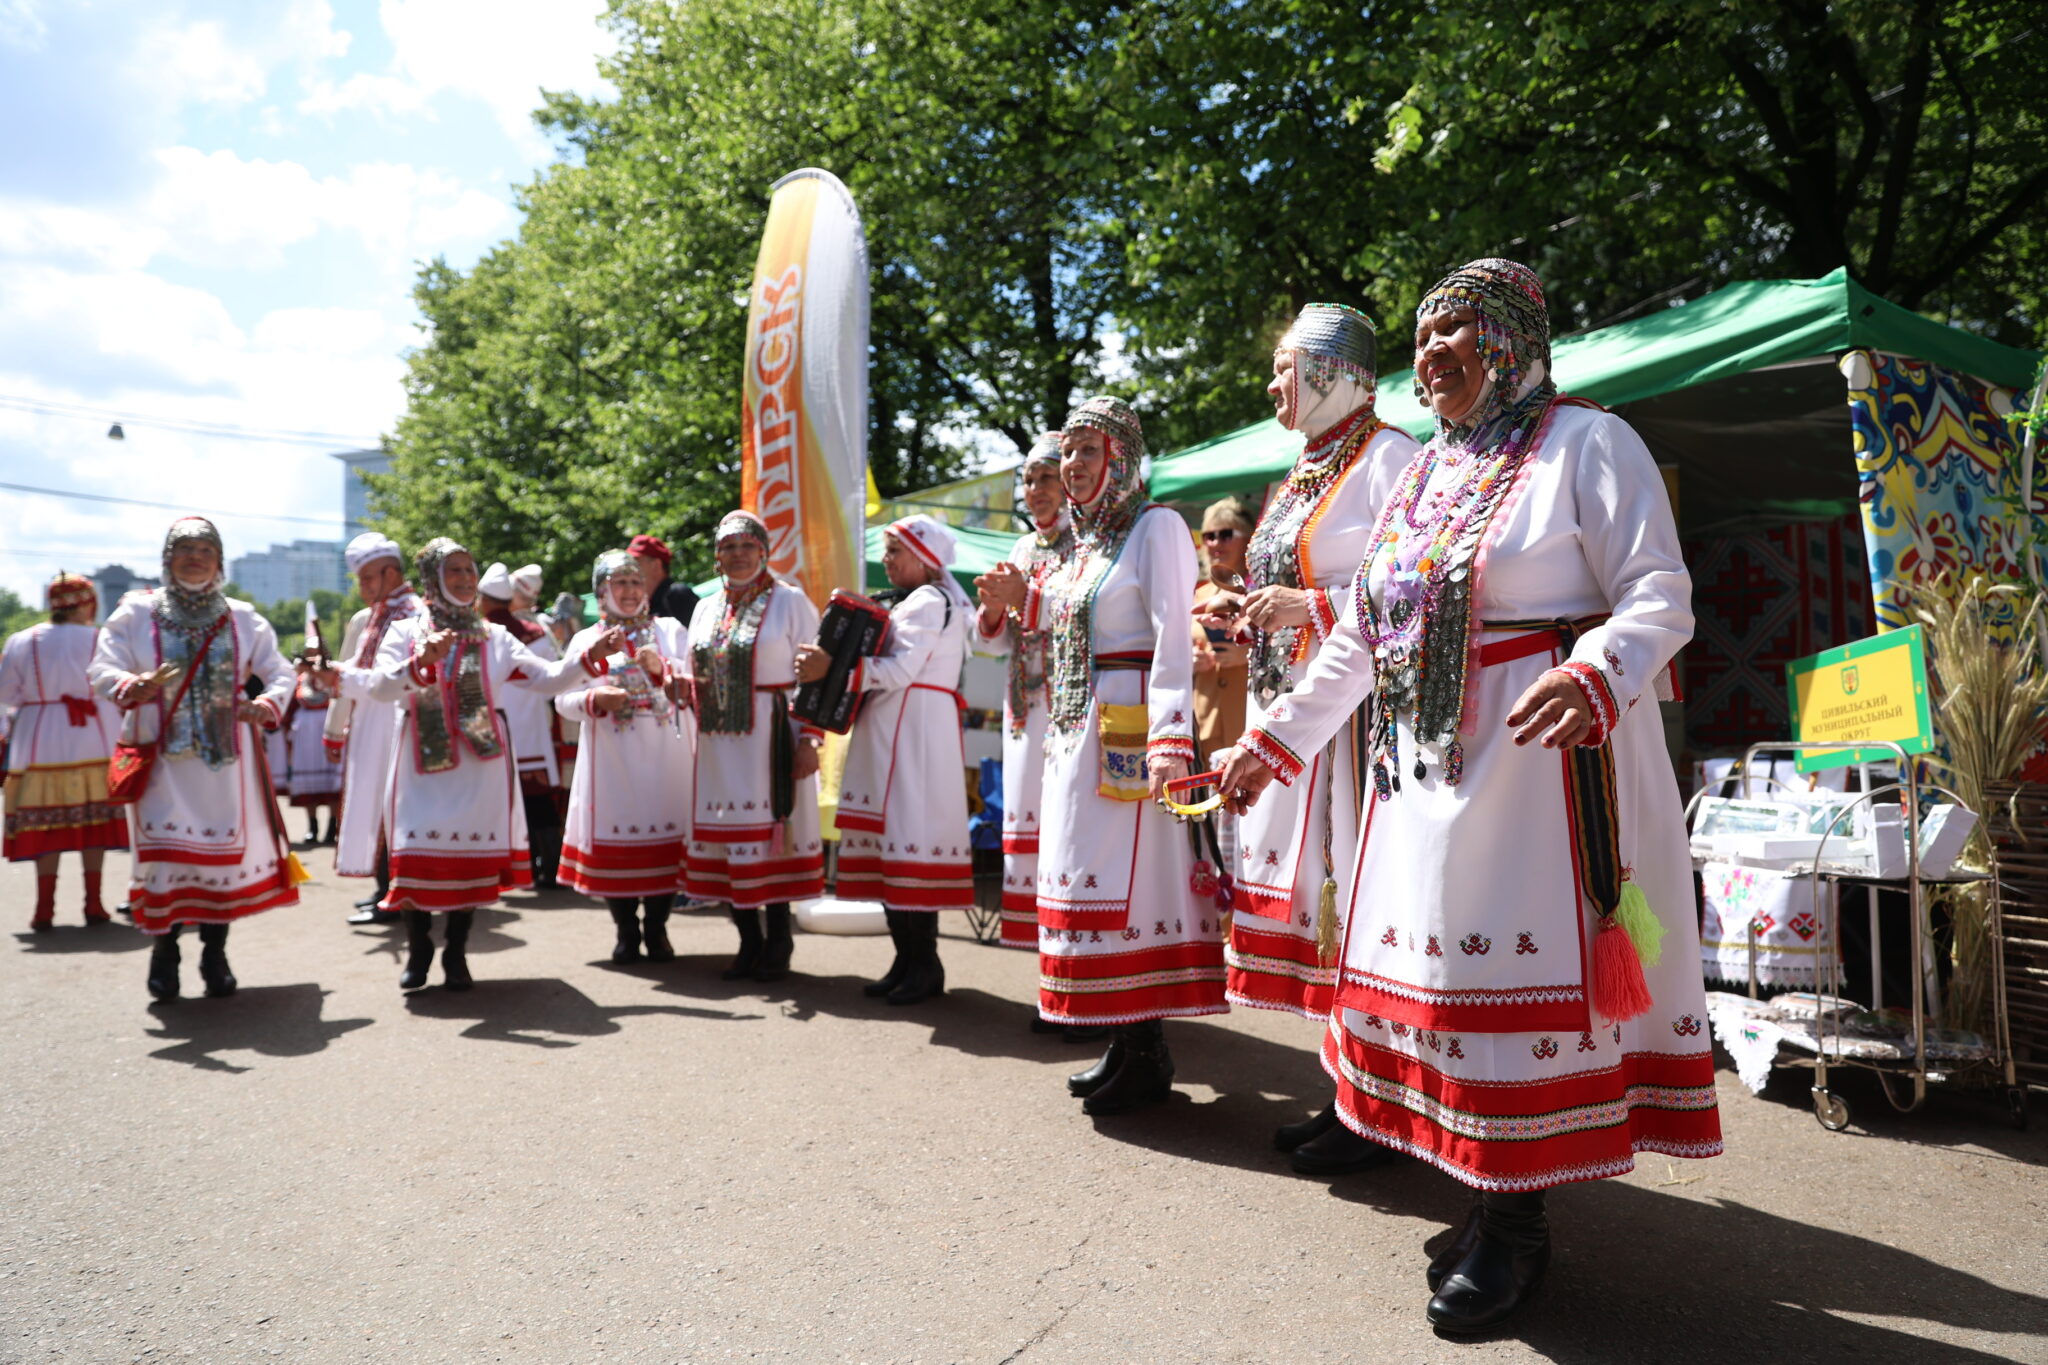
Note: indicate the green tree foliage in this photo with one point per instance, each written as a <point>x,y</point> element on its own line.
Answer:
<point>1182,175</point>
<point>17,615</point>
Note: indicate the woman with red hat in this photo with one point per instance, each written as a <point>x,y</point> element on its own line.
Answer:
<point>903,800</point>
<point>56,768</point>
<point>664,597</point>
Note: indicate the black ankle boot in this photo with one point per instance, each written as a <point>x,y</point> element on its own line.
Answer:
<point>626,919</point>
<point>1085,1083</point>
<point>1289,1136</point>
<point>1502,1269</point>
<point>455,952</point>
<point>163,967</point>
<point>748,922</point>
<point>924,976</point>
<point>419,957</point>
<point>1146,1076</point>
<point>654,929</point>
<point>1461,1246</point>
<point>889,979</point>
<point>1338,1151</point>
<point>778,945</point>
<point>213,960</point>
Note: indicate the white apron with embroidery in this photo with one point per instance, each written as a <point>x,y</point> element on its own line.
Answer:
<point>371,731</point>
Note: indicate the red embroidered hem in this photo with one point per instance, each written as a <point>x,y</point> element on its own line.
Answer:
<point>756,884</point>
<point>1265,902</point>
<point>156,912</point>
<point>439,882</point>
<point>1274,971</point>
<point>1532,1136</point>
<point>1282,760</point>
<point>651,869</point>
<point>901,884</point>
<point>30,844</point>
<point>1178,980</point>
<point>1527,1009</point>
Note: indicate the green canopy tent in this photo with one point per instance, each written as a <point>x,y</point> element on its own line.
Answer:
<point>1738,390</point>
<point>977,553</point>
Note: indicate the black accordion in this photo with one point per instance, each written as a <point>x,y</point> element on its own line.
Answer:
<point>852,628</point>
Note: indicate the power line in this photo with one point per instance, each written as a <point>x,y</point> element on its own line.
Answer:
<point>50,408</point>
<point>169,506</point>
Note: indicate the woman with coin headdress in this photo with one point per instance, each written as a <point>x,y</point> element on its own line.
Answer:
<point>1124,938</point>
<point>457,824</point>
<point>629,799</point>
<point>1038,553</point>
<point>754,831</point>
<point>1294,849</point>
<point>55,768</point>
<point>903,798</point>
<point>209,845</point>
<point>1506,1008</point>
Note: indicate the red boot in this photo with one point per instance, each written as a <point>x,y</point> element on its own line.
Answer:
<point>95,913</point>
<point>46,903</point>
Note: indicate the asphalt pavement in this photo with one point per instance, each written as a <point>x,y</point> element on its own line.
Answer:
<point>577,1162</point>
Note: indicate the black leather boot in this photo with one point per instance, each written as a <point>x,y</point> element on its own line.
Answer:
<point>1338,1151</point>
<point>1288,1136</point>
<point>1460,1247</point>
<point>654,927</point>
<point>748,922</point>
<point>419,958</point>
<point>778,945</point>
<point>888,980</point>
<point>1146,1076</point>
<point>366,910</point>
<point>1085,1083</point>
<point>924,976</point>
<point>163,966</point>
<point>1502,1269</point>
<point>455,951</point>
<point>213,960</point>
<point>626,919</point>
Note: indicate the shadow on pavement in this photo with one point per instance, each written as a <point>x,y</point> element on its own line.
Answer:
<point>79,938</point>
<point>272,1021</point>
<point>539,1011</point>
<point>1638,1275</point>
<point>487,935</point>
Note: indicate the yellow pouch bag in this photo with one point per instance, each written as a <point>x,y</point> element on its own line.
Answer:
<point>1123,731</point>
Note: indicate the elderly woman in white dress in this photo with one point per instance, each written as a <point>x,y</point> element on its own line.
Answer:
<point>209,844</point>
<point>1505,1010</point>
<point>57,750</point>
<point>629,800</point>
<point>364,731</point>
<point>457,824</point>
<point>903,799</point>
<point>1125,937</point>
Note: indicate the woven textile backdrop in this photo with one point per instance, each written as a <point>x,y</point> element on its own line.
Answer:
<point>1760,601</point>
<point>1938,477</point>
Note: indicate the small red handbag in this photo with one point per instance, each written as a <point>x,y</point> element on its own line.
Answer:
<point>128,767</point>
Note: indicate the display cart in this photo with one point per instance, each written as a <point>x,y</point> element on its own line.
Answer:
<point>1906,1056</point>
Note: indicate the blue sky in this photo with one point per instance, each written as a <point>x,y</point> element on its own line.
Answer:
<point>214,213</point>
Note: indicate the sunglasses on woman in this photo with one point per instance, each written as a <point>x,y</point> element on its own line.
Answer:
<point>1211,537</point>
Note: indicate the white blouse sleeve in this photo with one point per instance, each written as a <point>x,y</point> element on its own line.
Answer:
<point>1630,541</point>
<point>270,667</point>
<point>392,678</point>
<point>917,627</point>
<point>575,702</point>
<point>1166,575</point>
<point>1339,678</point>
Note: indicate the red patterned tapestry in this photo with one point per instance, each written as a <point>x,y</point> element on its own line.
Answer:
<point>1761,600</point>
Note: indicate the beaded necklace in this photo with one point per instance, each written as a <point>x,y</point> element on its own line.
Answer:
<point>1279,556</point>
<point>1419,625</point>
<point>725,661</point>
<point>1027,671</point>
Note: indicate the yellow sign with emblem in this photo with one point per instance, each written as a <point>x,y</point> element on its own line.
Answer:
<point>1861,695</point>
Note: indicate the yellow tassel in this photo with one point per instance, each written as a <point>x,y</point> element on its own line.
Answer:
<point>295,871</point>
<point>1326,922</point>
<point>1644,929</point>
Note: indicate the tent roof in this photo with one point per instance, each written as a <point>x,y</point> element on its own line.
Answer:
<point>1732,331</point>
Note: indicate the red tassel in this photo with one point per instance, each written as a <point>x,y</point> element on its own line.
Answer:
<point>1619,991</point>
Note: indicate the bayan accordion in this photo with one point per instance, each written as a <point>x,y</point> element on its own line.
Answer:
<point>852,628</point>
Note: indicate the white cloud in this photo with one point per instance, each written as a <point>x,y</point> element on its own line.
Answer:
<point>22,24</point>
<point>500,54</point>
<point>210,62</point>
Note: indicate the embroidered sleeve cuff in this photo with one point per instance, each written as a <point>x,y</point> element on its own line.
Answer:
<point>124,692</point>
<point>1027,616</point>
<point>981,626</point>
<point>1321,615</point>
<point>594,666</point>
<point>1275,755</point>
<point>276,716</point>
<point>1598,698</point>
<point>333,748</point>
<point>424,675</point>
<point>1171,746</point>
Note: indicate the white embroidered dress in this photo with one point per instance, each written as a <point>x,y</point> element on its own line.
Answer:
<point>737,855</point>
<point>1122,936</point>
<point>457,837</point>
<point>903,798</point>
<point>1463,1032</point>
<point>369,730</point>
<point>1278,880</point>
<point>58,745</point>
<point>206,848</point>
<point>629,798</point>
